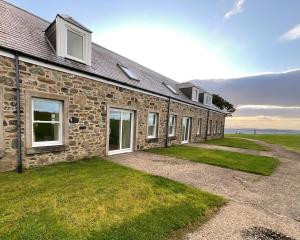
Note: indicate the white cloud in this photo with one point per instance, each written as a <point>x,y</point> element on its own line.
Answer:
<point>292,34</point>
<point>237,8</point>
<point>167,51</point>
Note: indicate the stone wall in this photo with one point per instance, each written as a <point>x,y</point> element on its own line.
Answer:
<point>89,101</point>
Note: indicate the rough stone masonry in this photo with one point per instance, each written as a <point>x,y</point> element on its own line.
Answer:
<point>87,101</point>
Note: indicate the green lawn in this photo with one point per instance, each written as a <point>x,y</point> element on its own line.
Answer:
<point>97,199</point>
<point>238,143</point>
<point>239,161</point>
<point>291,141</point>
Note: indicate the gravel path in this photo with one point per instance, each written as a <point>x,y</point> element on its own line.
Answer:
<point>255,201</point>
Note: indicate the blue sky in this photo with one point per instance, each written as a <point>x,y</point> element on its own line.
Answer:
<point>190,39</point>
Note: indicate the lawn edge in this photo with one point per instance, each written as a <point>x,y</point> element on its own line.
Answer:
<point>180,233</point>
<point>216,165</point>
<point>265,148</point>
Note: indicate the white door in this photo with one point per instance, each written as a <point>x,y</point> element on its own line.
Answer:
<point>120,131</point>
<point>186,128</point>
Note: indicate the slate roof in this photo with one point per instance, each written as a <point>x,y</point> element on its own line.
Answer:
<point>25,32</point>
<point>190,84</point>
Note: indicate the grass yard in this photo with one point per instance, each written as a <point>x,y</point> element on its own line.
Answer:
<point>238,161</point>
<point>237,143</point>
<point>97,199</point>
<point>288,141</point>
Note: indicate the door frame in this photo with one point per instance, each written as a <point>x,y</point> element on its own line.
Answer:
<point>189,130</point>
<point>119,151</point>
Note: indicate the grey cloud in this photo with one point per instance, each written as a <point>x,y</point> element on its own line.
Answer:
<point>270,89</point>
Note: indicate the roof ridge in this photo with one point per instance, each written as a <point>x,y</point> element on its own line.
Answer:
<point>22,9</point>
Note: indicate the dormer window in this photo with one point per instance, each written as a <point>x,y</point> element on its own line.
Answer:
<point>128,72</point>
<point>195,95</point>
<point>207,99</point>
<point>74,44</point>
<point>70,39</point>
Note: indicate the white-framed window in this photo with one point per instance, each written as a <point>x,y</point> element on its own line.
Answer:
<point>221,127</point>
<point>152,124</point>
<point>172,125</point>
<point>47,118</point>
<point>216,128</point>
<point>73,42</point>
<point>199,126</point>
<point>195,95</point>
<point>207,99</point>
<point>209,127</point>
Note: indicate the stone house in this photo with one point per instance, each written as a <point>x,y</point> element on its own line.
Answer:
<point>64,98</point>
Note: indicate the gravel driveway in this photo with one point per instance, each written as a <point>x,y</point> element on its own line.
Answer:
<point>255,201</point>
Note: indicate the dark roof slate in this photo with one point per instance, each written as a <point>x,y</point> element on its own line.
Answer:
<point>25,32</point>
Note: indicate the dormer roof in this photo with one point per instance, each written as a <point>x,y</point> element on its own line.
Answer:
<point>73,21</point>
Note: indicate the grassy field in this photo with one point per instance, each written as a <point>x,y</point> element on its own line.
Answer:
<point>97,199</point>
<point>238,143</point>
<point>238,161</point>
<point>291,141</point>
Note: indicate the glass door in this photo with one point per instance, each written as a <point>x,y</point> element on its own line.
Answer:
<point>120,131</point>
<point>186,128</point>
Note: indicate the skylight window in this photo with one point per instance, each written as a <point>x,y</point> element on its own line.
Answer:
<point>128,72</point>
<point>170,88</point>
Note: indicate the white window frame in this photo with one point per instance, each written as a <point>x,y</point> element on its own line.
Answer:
<point>199,126</point>
<point>173,133</point>
<point>121,150</point>
<point>209,128</point>
<point>195,94</point>
<point>62,28</point>
<point>155,125</point>
<point>207,99</point>
<point>60,122</point>
<point>68,28</point>
<point>216,128</point>
<point>220,128</point>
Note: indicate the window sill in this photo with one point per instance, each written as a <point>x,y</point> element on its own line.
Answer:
<point>46,149</point>
<point>149,140</point>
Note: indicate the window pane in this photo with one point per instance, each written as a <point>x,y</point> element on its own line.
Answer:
<point>172,120</point>
<point>151,131</point>
<point>45,110</point>
<point>151,119</point>
<point>126,130</point>
<point>171,130</point>
<point>74,44</point>
<point>45,132</point>
<point>115,125</point>
<point>129,73</point>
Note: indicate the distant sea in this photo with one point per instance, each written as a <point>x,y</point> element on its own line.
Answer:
<point>260,131</point>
